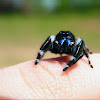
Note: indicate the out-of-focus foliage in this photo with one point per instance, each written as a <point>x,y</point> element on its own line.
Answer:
<point>49,5</point>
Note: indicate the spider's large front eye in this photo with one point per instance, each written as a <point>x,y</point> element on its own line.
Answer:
<point>68,41</point>
<point>61,42</point>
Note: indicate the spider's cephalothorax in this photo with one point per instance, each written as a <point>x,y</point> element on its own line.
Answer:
<point>65,43</point>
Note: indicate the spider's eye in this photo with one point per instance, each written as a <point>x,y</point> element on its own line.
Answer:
<point>68,41</point>
<point>61,42</point>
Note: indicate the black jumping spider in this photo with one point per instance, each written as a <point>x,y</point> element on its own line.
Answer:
<point>65,43</point>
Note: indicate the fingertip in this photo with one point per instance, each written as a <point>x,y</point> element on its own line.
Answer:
<point>77,81</point>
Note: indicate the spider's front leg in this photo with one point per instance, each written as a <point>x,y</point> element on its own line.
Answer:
<point>78,52</point>
<point>47,45</point>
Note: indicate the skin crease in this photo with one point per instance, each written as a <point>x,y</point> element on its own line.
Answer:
<point>47,80</point>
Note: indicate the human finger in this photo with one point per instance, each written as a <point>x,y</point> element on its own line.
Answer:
<point>47,80</point>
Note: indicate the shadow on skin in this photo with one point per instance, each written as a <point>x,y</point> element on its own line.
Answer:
<point>62,61</point>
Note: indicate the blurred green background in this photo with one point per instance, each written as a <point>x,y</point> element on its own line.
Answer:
<point>25,24</point>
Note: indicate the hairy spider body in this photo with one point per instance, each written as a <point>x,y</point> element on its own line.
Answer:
<point>65,43</point>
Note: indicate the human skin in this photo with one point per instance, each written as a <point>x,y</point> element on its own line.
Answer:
<point>47,80</point>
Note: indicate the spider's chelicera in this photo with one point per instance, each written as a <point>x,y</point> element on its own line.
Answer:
<point>65,43</point>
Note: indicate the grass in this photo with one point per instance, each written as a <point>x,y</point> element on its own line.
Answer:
<point>22,35</point>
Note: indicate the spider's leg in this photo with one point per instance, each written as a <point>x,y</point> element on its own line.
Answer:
<point>73,61</point>
<point>77,53</point>
<point>86,54</point>
<point>86,48</point>
<point>47,45</point>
